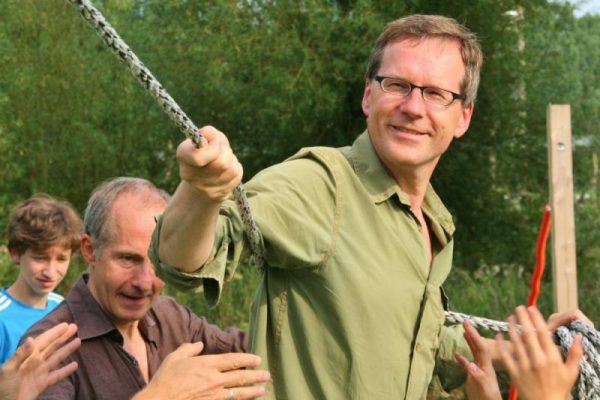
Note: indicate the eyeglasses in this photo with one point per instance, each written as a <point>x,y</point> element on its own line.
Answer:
<point>431,95</point>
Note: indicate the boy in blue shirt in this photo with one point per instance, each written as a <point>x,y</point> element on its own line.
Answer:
<point>43,234</point>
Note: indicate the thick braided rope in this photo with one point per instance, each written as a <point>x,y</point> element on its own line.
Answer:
<point>587,386</point>
<point>183,122</point>
<point>588,383</point>
<point>478,322</point>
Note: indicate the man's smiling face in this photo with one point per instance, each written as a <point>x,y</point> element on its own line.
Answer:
<point>408,134</point>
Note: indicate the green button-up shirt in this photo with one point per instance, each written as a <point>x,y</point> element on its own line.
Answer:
<point>349,306</point>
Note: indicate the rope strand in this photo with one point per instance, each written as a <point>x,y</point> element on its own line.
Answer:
<point>168,104</point>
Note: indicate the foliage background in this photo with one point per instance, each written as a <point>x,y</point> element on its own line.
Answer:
<point>277,75</point>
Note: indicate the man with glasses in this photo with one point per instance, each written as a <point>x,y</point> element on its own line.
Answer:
<point>356,243</point>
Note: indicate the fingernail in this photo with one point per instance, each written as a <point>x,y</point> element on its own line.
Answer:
<point>473,368</point>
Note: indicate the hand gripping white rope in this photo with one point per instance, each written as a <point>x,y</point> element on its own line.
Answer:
<point>587,386</point>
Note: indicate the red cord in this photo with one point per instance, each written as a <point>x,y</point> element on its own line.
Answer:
<point>540,258</point>
<point>538,271</point>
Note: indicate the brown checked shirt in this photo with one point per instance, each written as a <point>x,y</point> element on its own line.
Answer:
<point>106,370</point>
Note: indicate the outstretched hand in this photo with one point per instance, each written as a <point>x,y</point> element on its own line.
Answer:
<point>186,375</point>
<point>36,364</point>
<point>534,363</point>
<point>482,383</point>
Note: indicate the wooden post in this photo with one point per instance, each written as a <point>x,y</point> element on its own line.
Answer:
<point>560,164</point>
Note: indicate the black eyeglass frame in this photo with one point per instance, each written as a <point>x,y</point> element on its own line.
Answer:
<point>455,96</point>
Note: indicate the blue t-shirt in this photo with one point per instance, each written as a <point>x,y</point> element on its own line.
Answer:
<point>16,318</point>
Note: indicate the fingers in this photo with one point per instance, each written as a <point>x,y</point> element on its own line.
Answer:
<point>564,318</point>
<point>519,357</point>
<point>535,365</point>
<point>187,350</point>
<point>506,356</point>
<point>22,353</point>
<point>59,355</point>
<point>188,153</point>
<point>213,135</point>
<point>242,393</point>
<point>574,357</point>
<point>245,377</point>
<point>213,170</point>
<point>462,360</point>
<point>470,332</point>
<point>529,339</point>
<point>232,361</point>
<point>543,333</point>
<point>61,373</point>
<point>242,384</point>
<point>47,345</point>
<point>469,367</point>
<point>478,345</point>
<point>53,335</point>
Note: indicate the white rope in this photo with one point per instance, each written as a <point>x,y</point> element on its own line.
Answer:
<point>183,122</point>
<point>478,322</point>
<point>588,383</point>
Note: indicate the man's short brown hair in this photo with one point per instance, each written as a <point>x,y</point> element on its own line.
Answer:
<point>433,26</point>
<point>43,221</point>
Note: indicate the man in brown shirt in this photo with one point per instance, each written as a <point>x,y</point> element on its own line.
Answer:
<point>125,327</point>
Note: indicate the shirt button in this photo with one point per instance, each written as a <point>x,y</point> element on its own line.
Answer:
<point>417,347</point>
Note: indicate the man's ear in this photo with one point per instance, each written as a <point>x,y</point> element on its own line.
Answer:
<point>14,255</point>
<point>366,97</point>
<point>87,250</point>
<point>465,121</point>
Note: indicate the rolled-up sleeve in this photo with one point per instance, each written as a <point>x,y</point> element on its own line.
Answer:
<point>216,340</point>
<point>285,204</point>
<point>220,265</point>
<point>448,374</point>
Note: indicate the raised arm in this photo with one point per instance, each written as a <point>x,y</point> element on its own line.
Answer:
<point>208,176</point>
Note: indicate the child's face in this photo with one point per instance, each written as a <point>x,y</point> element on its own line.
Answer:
<point>43,270</point>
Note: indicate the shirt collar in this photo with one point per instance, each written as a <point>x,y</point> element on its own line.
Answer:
<point>381,186</point>
<point>93,322</point>
<point>371,171</point>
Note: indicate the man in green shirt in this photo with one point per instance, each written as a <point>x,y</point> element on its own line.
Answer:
<point>356,243</point>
